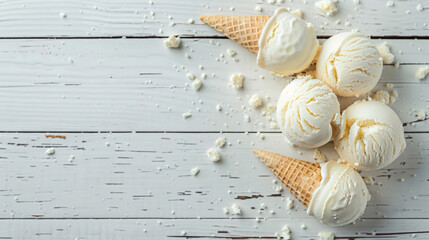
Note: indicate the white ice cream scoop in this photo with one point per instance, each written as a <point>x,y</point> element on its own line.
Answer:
<point>370,135</point>
<point>287,44</point>
<point>341,197</point>
<point>305,110</point>
<point>350,64</point>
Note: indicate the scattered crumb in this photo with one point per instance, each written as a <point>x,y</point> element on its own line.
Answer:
<point>172,41</point>
<point>303,226</point>
<point>219,107</point>
<point>183,233</point>
<point>50,151</point>
<point>284,233</point>
<point>186,115</point>
<point>297,12</point>
<point>396,64</point>
<point>236,81</point>
<point>271,1</point>
<point>389,85</point>
<point>220,142</point>
<point>422,72</point>
<point>289,203</point>
<point>231,52</point>
<point>419,7</point>
<point>368,180</point>
<point>255,101</point>
<point>195,171</point>
<point>402,180</point>
<point>327,7</point>
<point>326,235</point>
<point>381,96</point>
<point>191,76</point>
<point>246,118</point>
<point>356,2</point>
<point>260,135</point>
<point>196,85</point>
<point>390,4</point>
<point>278,188</point>
<point>191,21</point>
<point>258,220</point>
<point>319,156</point>
<point>63,15</point>
<point>258,9</point>
<point>235,209</point>
<point>385,53</point>
<point>213,155</point>
<point>203,76</point>
<point>226,210</point>
<point>421,115</point>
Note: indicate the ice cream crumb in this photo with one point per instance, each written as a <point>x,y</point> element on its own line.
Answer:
<point>327,7</point>
<point>255,101</point>
<point>381,96</point>
<point>390,4</point>
<point>186,115</point>
<point>422,72</point>
<point>278,188</point>
<point>326,235</point>
<point>231,52</point>
<point>235,209</point>
<point>226,210</point>
<point>213,155</point>
<point>289,203</point>
<point>284,233</point>
<point>50,151</point>
<point>196,85</point>
<point>319,156</point>
<point>421,115</point>
<point>419,7</point>
<point>220,142</point>
<point>368,180</point>
<point>172,41</point>
<point>191,76</point>
<point>236,81</point>
<point>303,226</point>
<point>191,21</point>
<point>258,9</point>
<point>297,12</point>
<point>384,50</point>
<point>246,118</point>
<point>195,171</point>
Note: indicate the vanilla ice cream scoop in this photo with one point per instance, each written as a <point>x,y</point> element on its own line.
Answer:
<point>305,110</point>
<point>287,44</point>
<point>350,64</point>
<point>370,135</point>
<point>341,197</point>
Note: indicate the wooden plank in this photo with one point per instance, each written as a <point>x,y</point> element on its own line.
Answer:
<point>133,229</point>
<point>131,85</point>
<point>79,18</point>
<point>143,175</point>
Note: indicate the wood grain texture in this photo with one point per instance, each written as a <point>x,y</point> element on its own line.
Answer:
<point>133,229</point>
<point>132,85</point>
<point>41,18</point>
<point>147,175</point>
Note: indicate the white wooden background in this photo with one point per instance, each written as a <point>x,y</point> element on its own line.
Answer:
<point>100,85</point>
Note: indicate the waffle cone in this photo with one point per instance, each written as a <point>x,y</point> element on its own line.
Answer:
<point>245,30</point>
<point>300,177</point>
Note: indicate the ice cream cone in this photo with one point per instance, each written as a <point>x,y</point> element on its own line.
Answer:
<point>245,30</point>
<point>300,177</point>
